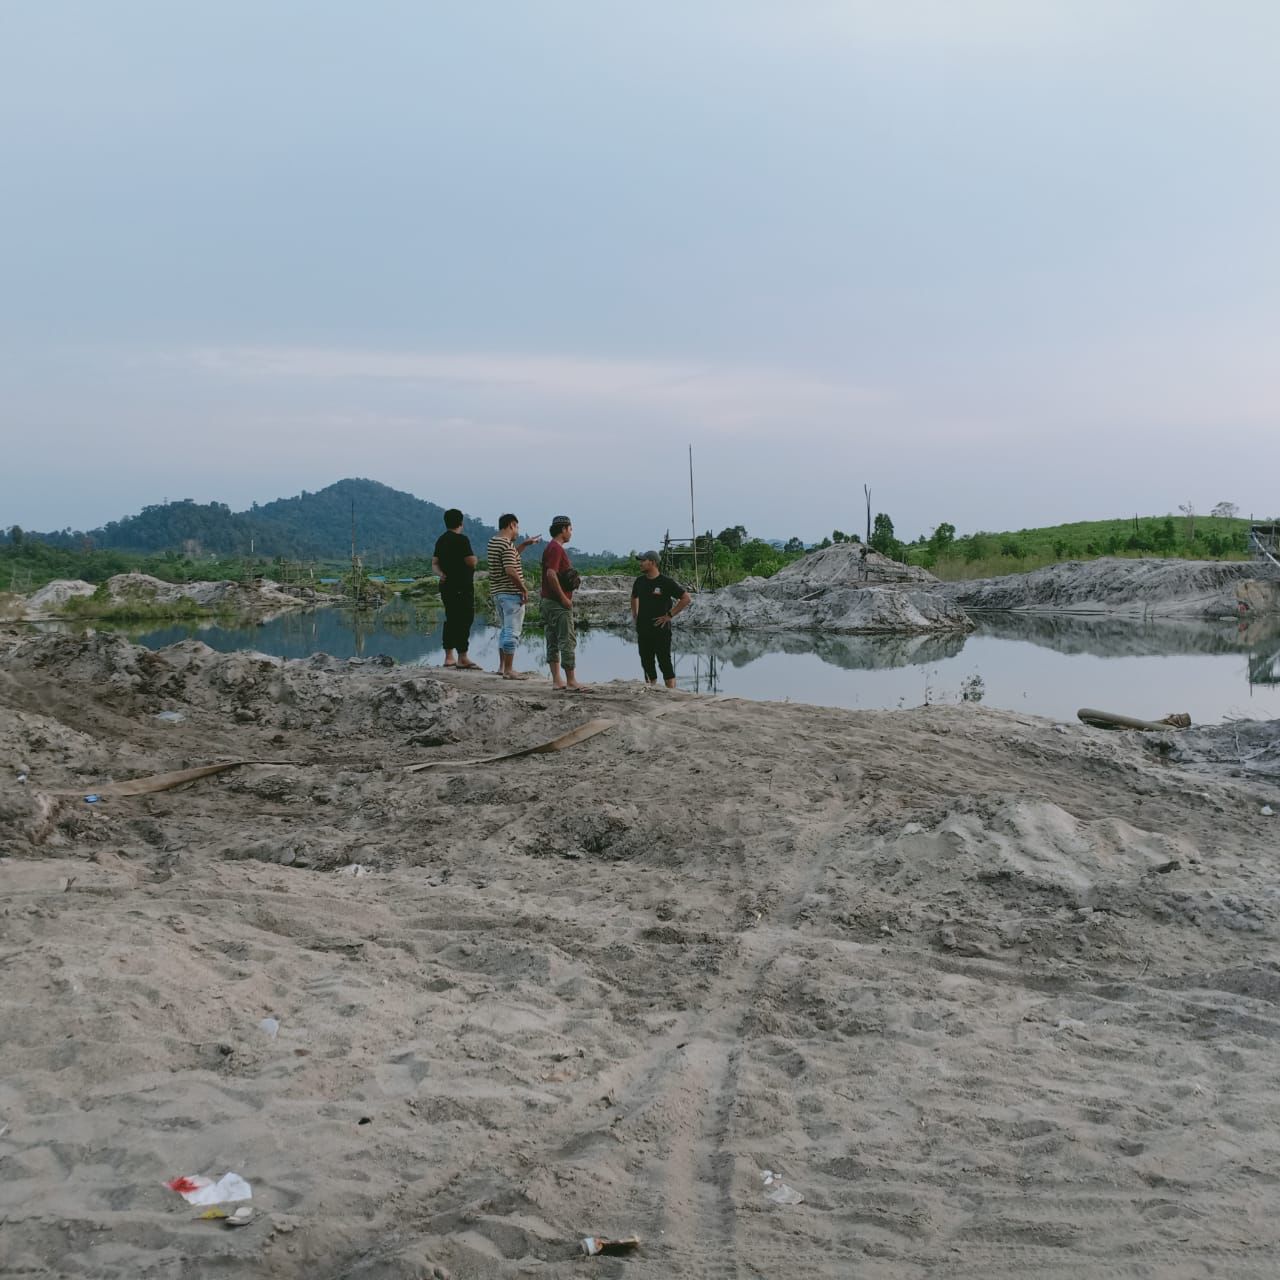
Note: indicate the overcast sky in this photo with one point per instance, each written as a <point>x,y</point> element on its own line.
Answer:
<point>1009,262</point>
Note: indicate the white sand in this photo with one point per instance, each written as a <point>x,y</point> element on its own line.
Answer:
<point>997,997</point>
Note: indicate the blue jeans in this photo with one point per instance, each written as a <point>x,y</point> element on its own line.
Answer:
<point>510,620</point>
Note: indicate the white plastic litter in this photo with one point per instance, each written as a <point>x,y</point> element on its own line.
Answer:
<point>271,1026</point>
<point>1267,811</point>
<point>353,869</point>
<point>170,717</point>
<point>777,1191</point>
<point>197,1190</point>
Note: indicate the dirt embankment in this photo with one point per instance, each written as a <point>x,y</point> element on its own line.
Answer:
<point>836,590</point>
<point>1116,586</point>
<point>996,996</point>
<point>261,596</point>
<point>604,600</point>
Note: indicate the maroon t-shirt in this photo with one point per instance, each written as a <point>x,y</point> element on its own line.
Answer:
<point>554,560</point>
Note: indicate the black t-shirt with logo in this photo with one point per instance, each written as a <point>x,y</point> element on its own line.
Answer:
<point>451,551</point>
<point>656,596</point>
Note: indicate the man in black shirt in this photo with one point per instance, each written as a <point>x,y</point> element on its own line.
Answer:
<point>652,611</point>
<point>455,564</point>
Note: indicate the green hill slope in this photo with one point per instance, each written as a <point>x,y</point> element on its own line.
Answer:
<point>984,555</point>
<point>389,524</point>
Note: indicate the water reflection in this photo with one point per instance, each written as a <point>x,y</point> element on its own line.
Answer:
<point>1131,638</point>
<point>1046,664</point>
<point>853,653</point>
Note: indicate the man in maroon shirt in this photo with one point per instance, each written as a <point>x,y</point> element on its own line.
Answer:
<point>557,606</point>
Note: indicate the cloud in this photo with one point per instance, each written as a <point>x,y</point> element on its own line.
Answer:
<point>716,398</point>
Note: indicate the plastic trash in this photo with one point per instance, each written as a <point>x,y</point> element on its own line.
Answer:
<point>271,1026</point>
<point>777,1192</point>
<point>592,1245</point>
<point>197,1190</point>
<point>22,779</point>
<point>1267,811</point>
<point>170,717</point>
<point>353,869</point>
<point>92,799</point>
<point>241,1218</point>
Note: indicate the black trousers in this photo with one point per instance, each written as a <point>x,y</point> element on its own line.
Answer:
<point>655,650</point>
<point>459,614</point>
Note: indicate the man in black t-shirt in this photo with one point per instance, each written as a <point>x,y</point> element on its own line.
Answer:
<point>455,564</point>
<point>651,610</point>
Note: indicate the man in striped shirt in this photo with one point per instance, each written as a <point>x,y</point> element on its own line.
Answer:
<point>507,590</point>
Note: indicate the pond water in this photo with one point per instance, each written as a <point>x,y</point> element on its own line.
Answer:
<point>1044,665</point>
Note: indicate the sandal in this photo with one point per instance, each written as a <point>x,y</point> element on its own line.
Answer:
<point>469,666</point>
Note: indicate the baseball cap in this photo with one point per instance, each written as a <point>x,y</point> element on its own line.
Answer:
<point>650,555</point>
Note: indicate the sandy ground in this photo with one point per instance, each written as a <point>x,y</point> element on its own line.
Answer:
<point>997,997</point>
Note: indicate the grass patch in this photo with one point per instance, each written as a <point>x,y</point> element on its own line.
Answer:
<point>106,609</point>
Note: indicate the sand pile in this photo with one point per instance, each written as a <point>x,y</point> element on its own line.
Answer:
<point>793,604</point>
<point>263,596</point>
<point>996,997</point>
<point>834,591</point>
<point>604,599</point>
<point>53,595</point>
<point>1134,588</point>
<point>844,565</point>
<point>221,594</point>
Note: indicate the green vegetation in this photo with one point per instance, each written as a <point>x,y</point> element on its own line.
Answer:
<point>389,523</point>
<point>323,520</point>
<point>102,607</point>
<point>989,555</point>
<point>91,608</point>
<point>28,563</point>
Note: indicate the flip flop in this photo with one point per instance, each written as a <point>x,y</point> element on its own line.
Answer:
<point>516,675</point>
<point>468,666</point>
<point>448,666</point>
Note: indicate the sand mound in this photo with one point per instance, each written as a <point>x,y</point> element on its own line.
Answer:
<point>604,599</point>
<point>794,604</point>
<point>213,595</point>
<point>844,565</point>
<point>833,591</point>
<point>263,596</point>
<point>1112,585</point>
<point>55,594</point>
<point>996,996</point>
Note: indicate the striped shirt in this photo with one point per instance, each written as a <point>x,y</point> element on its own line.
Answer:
<point>504,566</point>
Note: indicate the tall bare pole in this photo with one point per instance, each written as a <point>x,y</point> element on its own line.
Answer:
<point>693,525</point>
<point>867,491</point>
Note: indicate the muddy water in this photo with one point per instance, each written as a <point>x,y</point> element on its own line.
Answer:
<point>1044,665</point>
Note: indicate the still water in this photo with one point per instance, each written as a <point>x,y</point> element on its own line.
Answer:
<point>1048,666</point>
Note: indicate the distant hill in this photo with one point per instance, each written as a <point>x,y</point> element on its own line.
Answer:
<point>389,524</point>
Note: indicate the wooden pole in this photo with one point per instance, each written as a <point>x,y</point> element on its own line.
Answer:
<point>693,526</point>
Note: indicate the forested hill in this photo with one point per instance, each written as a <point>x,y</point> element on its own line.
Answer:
<point>389,523</point>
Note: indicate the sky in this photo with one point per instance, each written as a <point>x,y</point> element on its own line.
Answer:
<point>1007,262</point>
